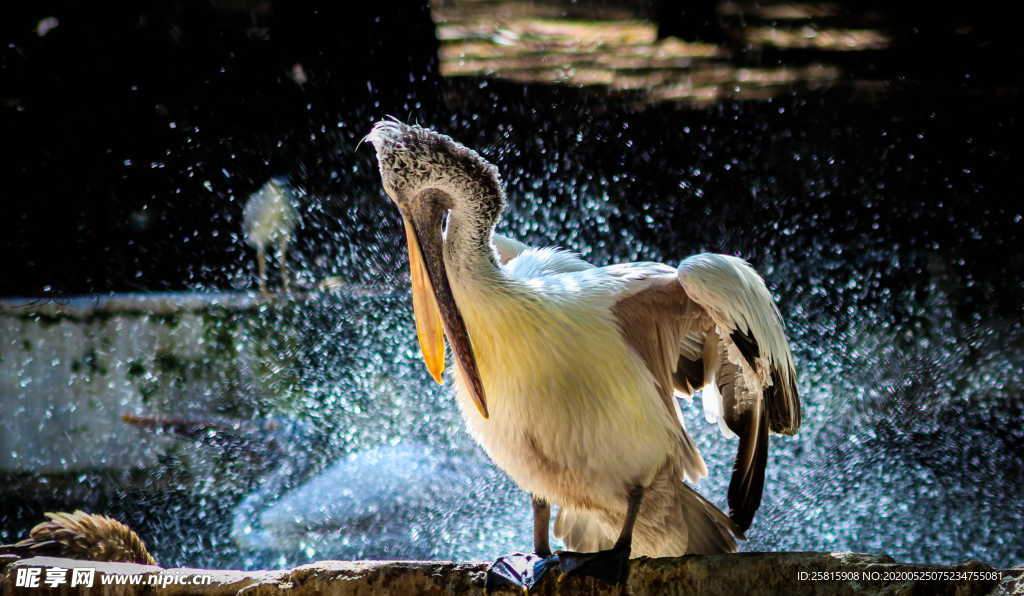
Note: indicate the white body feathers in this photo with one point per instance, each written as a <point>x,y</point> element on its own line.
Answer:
<point>576,416</point>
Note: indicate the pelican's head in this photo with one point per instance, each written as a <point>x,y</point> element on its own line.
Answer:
<point>426,175</point>
<point>419,166</point>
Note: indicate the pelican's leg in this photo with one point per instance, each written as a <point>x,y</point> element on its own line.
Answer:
<point>541,521</point>
<point>525,570</point>
<point>261,266</point>
<point>282,255</point>
<point>610,565</point>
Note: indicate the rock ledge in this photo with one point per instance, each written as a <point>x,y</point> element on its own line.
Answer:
<point>744,573</point>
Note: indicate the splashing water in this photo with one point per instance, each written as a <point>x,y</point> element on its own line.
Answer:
<point>890,255</point>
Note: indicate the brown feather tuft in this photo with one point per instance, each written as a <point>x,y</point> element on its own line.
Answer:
<point>84,536</point>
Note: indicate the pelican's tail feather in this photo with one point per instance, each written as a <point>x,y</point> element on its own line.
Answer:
<point>710,530</point>
<point>582,531</point>
<point>674,520</point>
<point>679,521</point>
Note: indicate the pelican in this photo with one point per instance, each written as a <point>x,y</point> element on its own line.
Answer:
<point>566,373</point>
<point>81,535</point>
<point>268,217</point>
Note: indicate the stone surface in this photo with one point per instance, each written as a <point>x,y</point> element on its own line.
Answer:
<point>745,573</point>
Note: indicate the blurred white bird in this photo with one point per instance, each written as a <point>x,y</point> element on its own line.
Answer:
<point>567,373</point>
<point>381,495</point>
<point>382,501</point>
<point>268,217</point>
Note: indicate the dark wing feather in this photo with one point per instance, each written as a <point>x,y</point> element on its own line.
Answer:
<point>747,346</point>
<point>751,426</point>
<point>689,375</point>
<point>784,410</point>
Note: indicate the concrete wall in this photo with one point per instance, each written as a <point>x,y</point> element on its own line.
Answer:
<point>70,369</point>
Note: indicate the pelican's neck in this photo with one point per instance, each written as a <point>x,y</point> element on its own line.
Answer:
<point>467,244</point>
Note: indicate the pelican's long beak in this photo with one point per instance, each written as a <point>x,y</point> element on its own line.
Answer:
<point>429,327</point>
<point>434,305</point>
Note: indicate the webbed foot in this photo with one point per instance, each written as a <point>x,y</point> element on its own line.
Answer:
<point>611,565</point>
<point>519,570</point>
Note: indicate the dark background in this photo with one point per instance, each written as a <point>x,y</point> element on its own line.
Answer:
<point>131,130</point>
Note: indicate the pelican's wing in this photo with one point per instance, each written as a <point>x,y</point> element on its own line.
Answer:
<point>522,261</point>
<point>507,248</point>
<point>749,330</point>
<point>712,324</point>
<point>655,315</point>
